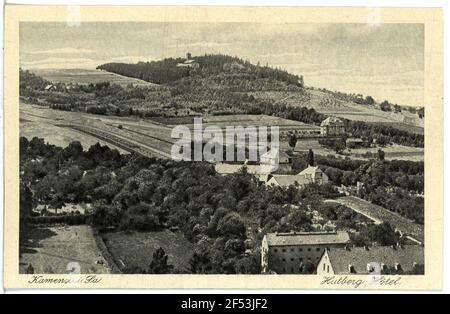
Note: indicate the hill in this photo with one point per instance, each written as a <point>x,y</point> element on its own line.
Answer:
<point>223,85</point>
<point>220,70</point>
<point>192,76</point>
<point>328,103</point>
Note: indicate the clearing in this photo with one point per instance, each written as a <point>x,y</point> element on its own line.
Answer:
<point>137,248</point>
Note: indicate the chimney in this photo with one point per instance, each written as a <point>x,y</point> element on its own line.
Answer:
<point>188,56</point>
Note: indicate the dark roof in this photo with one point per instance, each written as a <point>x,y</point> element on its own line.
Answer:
<point>307,238</point>
<point>359,257</point>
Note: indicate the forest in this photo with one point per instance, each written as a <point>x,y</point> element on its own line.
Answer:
<point>166,71</point>
<point>225,217</point>
<point>390,184</point>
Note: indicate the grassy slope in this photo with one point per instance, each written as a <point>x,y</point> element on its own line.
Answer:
<point>137,248</point>
<point>327,103</point>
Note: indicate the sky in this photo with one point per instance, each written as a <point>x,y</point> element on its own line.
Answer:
<point>385,61</point>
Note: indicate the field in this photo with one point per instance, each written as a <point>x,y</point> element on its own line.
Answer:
<point>328,104</point>
<point>82,76</point>
<point>392,152</point>
<point>381,214</point>
<point>51,249</point>
<point>62,127</point>
<point>137,248</point>
<point>244,120</point>
<point>58,136</point>
<point>149,137</point>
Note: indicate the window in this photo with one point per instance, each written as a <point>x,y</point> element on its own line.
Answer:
<point>300,250</point>
<point>318,249</point>
<point>292,270</point>
<point>284,250</point>
<point>275,250</point>
<point>292,250</point>
<point>284,260</point>
<point>301,259</point>
<point>292,259</point>
<point>284,270</point>
<point>309,249</point>
<point>328,268</point>
<point>324,266</point>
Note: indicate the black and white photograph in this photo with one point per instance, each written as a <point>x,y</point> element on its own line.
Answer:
<point>224,148</point>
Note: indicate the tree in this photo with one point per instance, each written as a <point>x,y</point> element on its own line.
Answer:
<point>385,106</point>
<point>334,175</point>
<point>380,154</point>
<point>25,205</point>
<point>299,221</point>
<point>231,225</point>
<point>310,158</point>
<point>159,263</point>
<point>369,100</point>
<point>384,234</point>
<point>73,150</point>
<point>292,141</point>
<point>421,112</point>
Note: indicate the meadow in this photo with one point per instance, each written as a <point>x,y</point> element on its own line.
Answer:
<point>137,248</point>
<point>40,122</point>
<point>84,76</point>
<point>328,104</point>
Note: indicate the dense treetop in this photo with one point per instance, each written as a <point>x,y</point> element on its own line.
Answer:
<point>166,71</point>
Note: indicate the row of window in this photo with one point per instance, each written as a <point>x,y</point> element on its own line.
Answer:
<point>275,250</point>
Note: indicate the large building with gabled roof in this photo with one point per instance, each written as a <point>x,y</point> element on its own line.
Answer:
<point>312,174</point>
<point>291,252</point>
<point>332,126</point>
<point>397,259</point>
